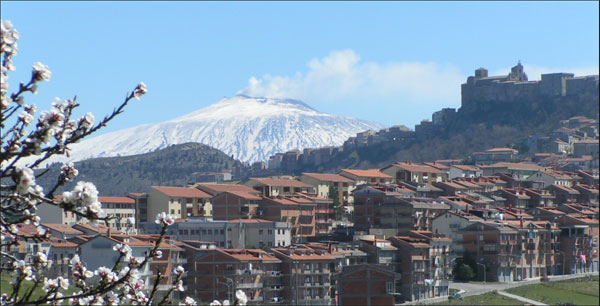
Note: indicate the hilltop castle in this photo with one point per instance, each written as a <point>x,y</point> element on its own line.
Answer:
<point>515,87</point>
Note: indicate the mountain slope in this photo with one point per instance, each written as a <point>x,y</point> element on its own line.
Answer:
<point>249,129</point>
<point>172,166</point>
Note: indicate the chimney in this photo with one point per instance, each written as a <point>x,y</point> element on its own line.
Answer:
<point>521,219</point>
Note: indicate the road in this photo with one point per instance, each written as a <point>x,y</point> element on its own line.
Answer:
<point>480,288</point>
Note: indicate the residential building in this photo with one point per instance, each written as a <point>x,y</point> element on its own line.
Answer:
<point>369,176</point>
<point>450,223</point>
<point>417,173</point>
<point>464,171</point>
<point>53,214</point>
<point>123,208</point>
<point>269,187</point>
<point>61,231</point>
<point>216,274</point>
<point>232,204</point>
<point>236,233</point>
<point>495,155</point>
<point>367,284</point>
<point>325,182</point>
<point>180,202</point>
<point>307,275</point>
<point>299,210</point>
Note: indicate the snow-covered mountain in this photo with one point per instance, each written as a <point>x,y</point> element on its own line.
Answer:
<point>250,129</point>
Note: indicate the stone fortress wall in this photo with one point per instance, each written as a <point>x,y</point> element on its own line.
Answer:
<point>515,87</point>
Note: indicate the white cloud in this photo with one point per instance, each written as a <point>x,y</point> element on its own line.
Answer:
<point>342,77</point>
<point>390,93</point>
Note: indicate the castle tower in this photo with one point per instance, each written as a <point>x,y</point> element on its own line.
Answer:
<point>517,74</point>
<point>481,73</point>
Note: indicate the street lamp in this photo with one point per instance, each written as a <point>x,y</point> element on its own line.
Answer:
<point>484,277</point>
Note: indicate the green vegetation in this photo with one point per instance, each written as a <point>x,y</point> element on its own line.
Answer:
<point>172,166</point>
<point>6,287</point>
<point>580,291</point>
<point>490,298</point>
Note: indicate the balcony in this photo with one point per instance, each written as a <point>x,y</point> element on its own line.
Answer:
<point>249,285</point>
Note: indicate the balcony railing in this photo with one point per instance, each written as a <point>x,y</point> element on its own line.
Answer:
<point>250,285</point>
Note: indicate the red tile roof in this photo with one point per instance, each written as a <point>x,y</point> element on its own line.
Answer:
<point>438,166</point>
<point>122,200</point>
<point>501,150</point>
<point>328,177</point>
<point>371,173</point>
<point>522,166</point>
<point>412,167</point>
<point>184,192</point>
<point>62,228</point>
<point>280,182</point>
<point>250,221</point>
<point>466,168</point>
<point>244,195</point>
<point>218,188</point>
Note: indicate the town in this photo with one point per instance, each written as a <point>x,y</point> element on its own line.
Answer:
<point>356,237</point>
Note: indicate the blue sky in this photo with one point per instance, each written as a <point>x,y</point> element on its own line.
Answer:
<point>391,62</point>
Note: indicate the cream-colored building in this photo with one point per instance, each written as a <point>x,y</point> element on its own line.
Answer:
<point>179,202</point>
<point>123,208</point>
<point>370,176</point>
<point>322,182</point>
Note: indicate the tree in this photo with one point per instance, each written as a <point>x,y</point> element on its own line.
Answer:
<point>26,147</point>
<point>464,272</point>
<point>336,205</point>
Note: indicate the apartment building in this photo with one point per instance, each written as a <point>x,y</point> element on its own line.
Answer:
<point>180,202</point>
<point>369,176</point>
<point>367,284</point>
<point>424,267</point>
<point>413,172</point>
<point>511,250</point>
<point>269,187</point>
<point>299,210</point>
<point>306,275</point>
<point>324,182</point>
<point>235,233</point>
<point>123,208</point>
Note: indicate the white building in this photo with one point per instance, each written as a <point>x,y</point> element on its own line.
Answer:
<point>449,223</point>
<point>123,208</point>
<point>237,234</point>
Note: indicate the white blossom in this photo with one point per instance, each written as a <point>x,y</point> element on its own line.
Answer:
<point>140,90</point>
<point>215,303</point>
<point>179,286</point>
<point>41,72</point>
<point>241,297</point>
<point>25,180</point>
<point>26,117</point>
<point>179,270</point>
<point>63,282</point>
<point>164,218</point>
<point>189,302</point>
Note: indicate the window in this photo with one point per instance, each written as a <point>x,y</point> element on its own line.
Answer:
<point>270,244</point>
<point>203,232</point>
<point>172,211</point>
<point>260,232</point>
<point>270,232</point>
<point>389,286</point>
<point>222,232</point>
<point>210,232</point>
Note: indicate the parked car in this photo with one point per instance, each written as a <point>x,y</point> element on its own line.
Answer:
<point>455,296</point>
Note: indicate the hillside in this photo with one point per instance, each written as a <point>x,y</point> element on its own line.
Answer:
<point>475,129</point>
<point>172,166</point>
